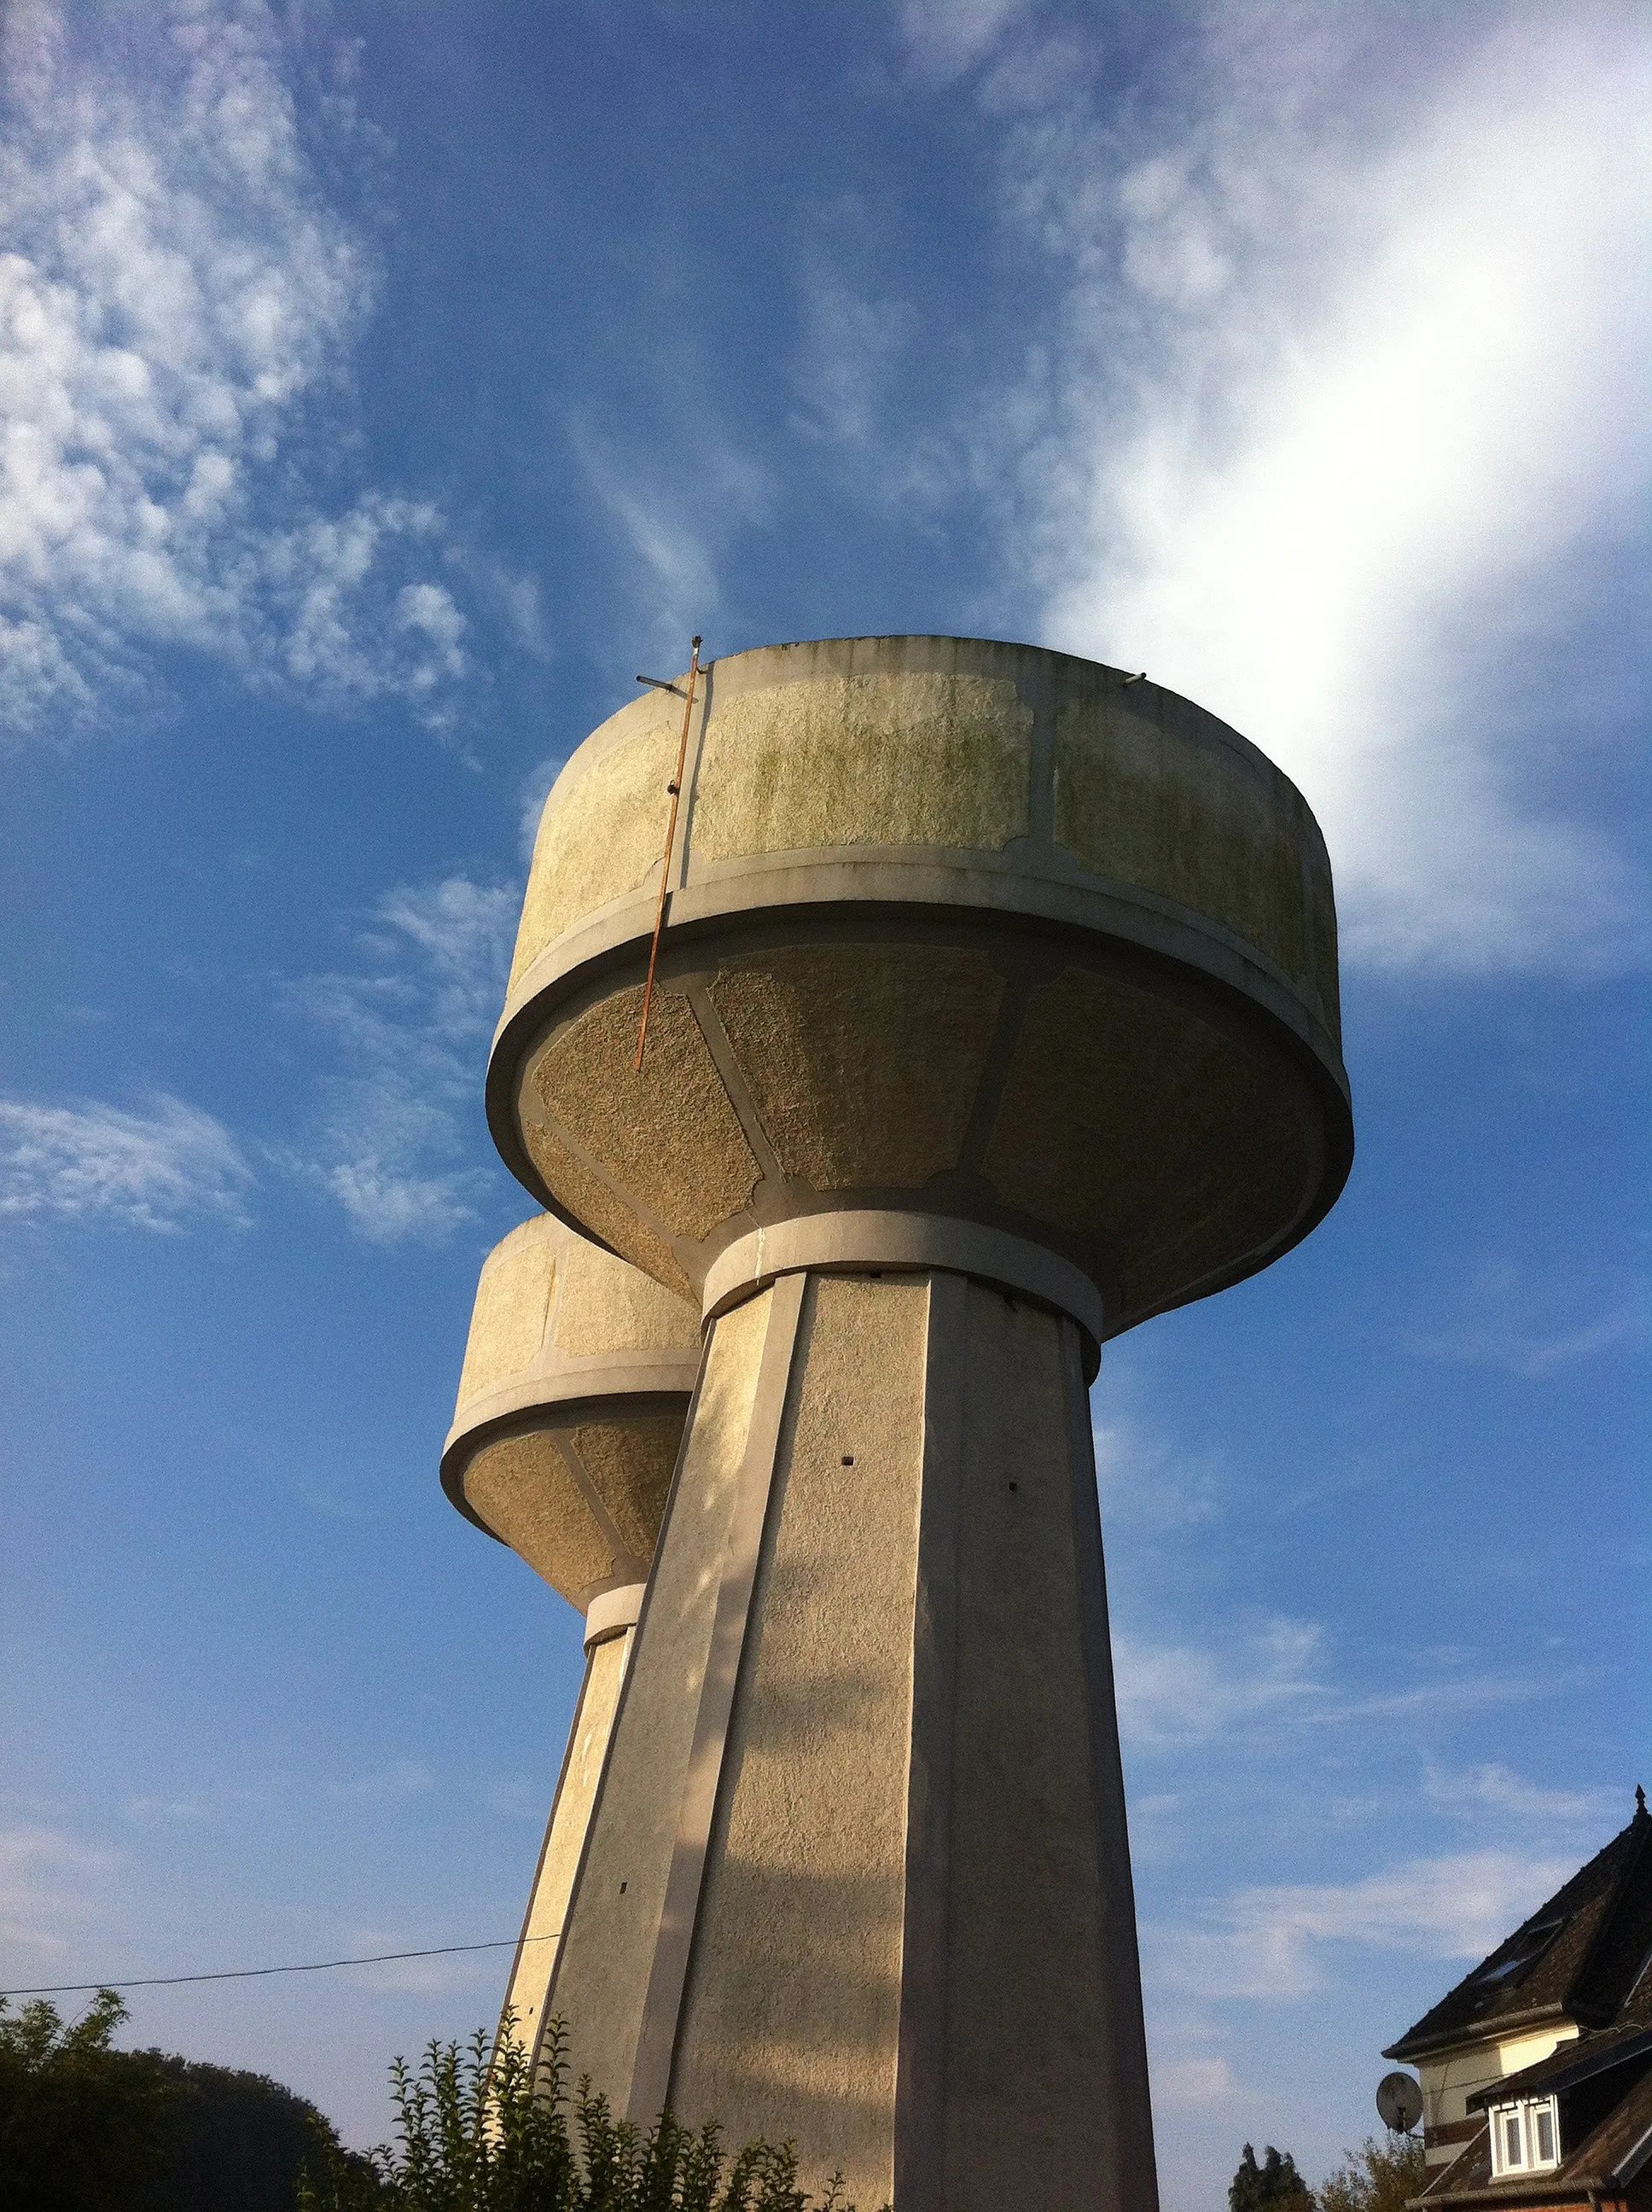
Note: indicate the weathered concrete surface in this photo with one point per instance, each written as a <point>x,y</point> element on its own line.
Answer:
<point>607,1955</point>
<point>572,1402</point>
<point>975,929</point>
<point>869,1887</point>
<point>558,1857</point>
<point>997,1012</point>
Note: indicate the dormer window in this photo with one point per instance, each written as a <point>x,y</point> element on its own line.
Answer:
<point>1510,1961</point>
<point>1525,2137</point>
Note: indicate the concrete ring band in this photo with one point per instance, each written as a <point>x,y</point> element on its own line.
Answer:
<point>612,1614</point>
<point>850,1241</point>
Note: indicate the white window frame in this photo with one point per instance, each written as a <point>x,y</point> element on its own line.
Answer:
<point>1525,2117</point>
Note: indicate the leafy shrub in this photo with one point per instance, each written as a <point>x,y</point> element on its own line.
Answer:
<point>1377,2177</point>
<point>483,2134</point>
<point>84,2127</point>
<point>81,2124</point>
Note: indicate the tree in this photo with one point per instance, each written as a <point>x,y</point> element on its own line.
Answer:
<point>236,2142</point>
<point>488,2135</point>
<point>1378,2177</point>
<point>84,2128</point>
<point>1273,2186</point>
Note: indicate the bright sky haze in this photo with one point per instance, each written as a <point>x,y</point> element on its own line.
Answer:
<point>382,387</point>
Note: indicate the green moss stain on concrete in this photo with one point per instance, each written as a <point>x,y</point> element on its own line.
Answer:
<point>507,1322</point>
<point>1208,828</point>
<point>899,759</point>
<point>601,836</point>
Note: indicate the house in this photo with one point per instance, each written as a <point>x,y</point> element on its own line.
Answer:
<point>1536,2069</point>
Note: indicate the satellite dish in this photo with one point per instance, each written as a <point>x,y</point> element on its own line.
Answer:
<point>1399,2102</point>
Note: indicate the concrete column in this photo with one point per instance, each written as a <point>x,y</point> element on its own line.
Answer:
<point>611,1632</point>
<point>867,1885</point>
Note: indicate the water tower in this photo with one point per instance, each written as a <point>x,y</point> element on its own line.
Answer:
<point>996,1012</point>
<point>576,1381</point>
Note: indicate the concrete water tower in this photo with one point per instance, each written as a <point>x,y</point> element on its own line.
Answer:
<point>996,1012</point>
<point>575,1385</point>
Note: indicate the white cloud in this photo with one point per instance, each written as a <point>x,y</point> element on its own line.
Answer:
<point>1531,1325</point>
<point>1498,1789</point>
<point>402,1778</point>
<point>177,299</point>
<point>408,1026</point>
<point>850,346</point>
<point>1191,2085</point>
<point>1271,1942</point>
<point>1171,1694</point>
<point>49,1886</point>
<point>1344,413</point>
<point>1148,1482</point>
<point>674,506</point>
<point>156,1170</point>
<point>946,36</point>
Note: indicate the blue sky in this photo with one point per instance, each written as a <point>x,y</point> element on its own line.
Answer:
<point>383,387</point>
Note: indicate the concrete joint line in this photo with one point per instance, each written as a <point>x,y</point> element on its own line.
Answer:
<point>662,2009</point>
<point>555,1950</point>
<point>1130,2182</point>
<point>1037,691</point>
<point>732,1076</point>
<point>594,1382</point>
<point>611,1184</point>
<point>573,1460</point>
<point>995,1072</point>
<point>925,1945</point>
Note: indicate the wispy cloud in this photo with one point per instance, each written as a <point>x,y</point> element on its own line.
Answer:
<point>1495,1789</point>
<point>49,1886</point>
<point>407,1025</point>
<point>160,1170</point>
<point>177,297</point>
<point>1172,1695</point>
<point>850,346</point>
<point>1268,1942</point>
<point>387,1785</point>
<point>1149,1481</point>
<point>1512,1319</point>
<point>674,506</point>
<point>1193,2084</point>
<point>947,35</point>
<point>1340,419</point>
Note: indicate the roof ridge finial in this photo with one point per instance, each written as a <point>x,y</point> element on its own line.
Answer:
<point>1640,1799</point>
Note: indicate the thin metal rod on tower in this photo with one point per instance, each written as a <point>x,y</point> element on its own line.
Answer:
<point>676,788</point>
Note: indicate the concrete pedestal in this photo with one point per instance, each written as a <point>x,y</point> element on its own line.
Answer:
<point>996,1012</point>
<point>867,1885</point>
<point>608,1641</point>
<point>577,1376</point>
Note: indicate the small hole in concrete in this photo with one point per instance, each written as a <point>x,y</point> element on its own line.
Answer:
<point>1015,1485</point>
<point>848,1459</point>
<point>622,1889</point>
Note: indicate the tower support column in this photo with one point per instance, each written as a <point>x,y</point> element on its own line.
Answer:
<point>609,1633</point>
<point>857,1872</point>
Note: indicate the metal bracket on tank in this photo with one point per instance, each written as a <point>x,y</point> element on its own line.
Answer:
<point>674,787</point>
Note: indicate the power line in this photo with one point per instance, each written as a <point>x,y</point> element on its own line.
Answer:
<point>251,1973</point>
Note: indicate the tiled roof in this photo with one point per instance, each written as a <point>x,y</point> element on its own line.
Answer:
<point>1581,1956</point>
<point>1609,2158</point>
<point>1579,2060</point>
